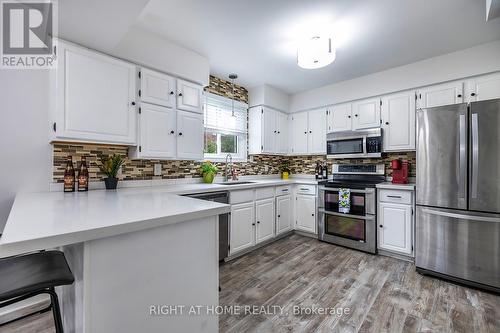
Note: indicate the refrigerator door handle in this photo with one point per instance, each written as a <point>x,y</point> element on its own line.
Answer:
<point>462,158</point>
<point>475,154</point>
<point>462,216</point>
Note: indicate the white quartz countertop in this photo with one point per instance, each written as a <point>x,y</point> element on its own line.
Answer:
<point>392,186</point>
<point>51,219</point>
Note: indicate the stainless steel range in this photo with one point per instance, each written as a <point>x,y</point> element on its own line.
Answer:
<point>347,206</point>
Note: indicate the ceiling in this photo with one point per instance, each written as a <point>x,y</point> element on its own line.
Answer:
<point>257,39</point>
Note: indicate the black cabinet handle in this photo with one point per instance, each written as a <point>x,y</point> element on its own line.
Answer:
<point>171,93</point>
<point>394,196</point>
<point>133,103</point>
<point>348,116</point>
<point>310,131</point>
<point>172,132</point>
<point>312,214</point>
<point>279,215</point>
<point>473,94</point>
<point>253,223</point>
<point>459,95</point>
<point>355,115</point>
<point>387,123</point>
<point>258,222</point>
<point>180,133</point>
<point>305,132</point>
<point>278,132</point>
<point>381,226</point>
<point>275,132</point>
<point>180,94</point>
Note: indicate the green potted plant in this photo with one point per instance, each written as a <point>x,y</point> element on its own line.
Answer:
<point>285,169</point>
<point>110,167</point>
<point>208,171</point>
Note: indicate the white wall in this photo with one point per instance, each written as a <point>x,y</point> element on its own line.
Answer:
<point>269,96</point>
<point>153,51</point>
<point>477,60</point>
<point>25,153</point>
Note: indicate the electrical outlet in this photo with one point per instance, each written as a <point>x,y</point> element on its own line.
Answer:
<point>157,169</point>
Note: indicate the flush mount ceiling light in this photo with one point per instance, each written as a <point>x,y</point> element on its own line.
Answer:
<point>315,52</point>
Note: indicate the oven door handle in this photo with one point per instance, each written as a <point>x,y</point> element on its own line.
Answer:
<point>367,191</point>
<point>360,217</point>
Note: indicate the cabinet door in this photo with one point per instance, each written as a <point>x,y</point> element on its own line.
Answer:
<point>282,135</point>
<point>299,131</point>
<point>441,94</point>
<point>157,137</point>
<point>305,212</point>
<point>398,121</point>
<point>316,141</point>
<point>395,228</point>
<point>264,218</point>
<point>483,88</point>
<point>242,234</point>
<point>283,214</point>
<point>366,114</point>
<point>157,88</point>
<point>269,130</point>
<point>189,96</point>
<point>189,135</point>
<point>339,118</point>
<point>95,97</point>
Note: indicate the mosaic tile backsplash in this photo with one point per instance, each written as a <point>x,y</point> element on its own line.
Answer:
<point>143,169</point>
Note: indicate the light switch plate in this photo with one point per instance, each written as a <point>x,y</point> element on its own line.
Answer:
<point>157,169</point>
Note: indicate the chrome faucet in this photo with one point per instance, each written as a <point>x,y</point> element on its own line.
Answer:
<point>230,164</point>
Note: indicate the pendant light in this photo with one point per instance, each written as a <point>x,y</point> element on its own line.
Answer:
<point>233,77</point>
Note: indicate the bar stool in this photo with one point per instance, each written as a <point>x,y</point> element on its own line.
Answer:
<point>25,276</point>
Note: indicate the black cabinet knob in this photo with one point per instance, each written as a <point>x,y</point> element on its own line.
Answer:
<point>473,94</point>
<point>275,132</point>
<point>459,95</point>
<point>310,131</point>
<point>381,226</point>
<point>258,222</point>
<point>172,132</point>
<point>279,215</point>
<point>348,116</point>
<point>355,115</point>
<point>180,94</point>
<point>279,132</point>
<point>305,132</point>
<point>312,214</point>
<point>253,223</point>
<point>171,93</point>
<point>133,103</point>
<point>387,123</point>
<point>180,133</point>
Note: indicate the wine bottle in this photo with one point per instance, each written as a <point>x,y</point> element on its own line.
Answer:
<point>83,176</point>
<point>320,171</point>
<point>316,170</point>
<point>325,172</point>
<point>69,176</point>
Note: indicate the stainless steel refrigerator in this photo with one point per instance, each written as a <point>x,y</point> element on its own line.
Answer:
<point>458,193</point>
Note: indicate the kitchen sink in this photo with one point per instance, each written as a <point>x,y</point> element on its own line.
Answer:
<point>235,183</point>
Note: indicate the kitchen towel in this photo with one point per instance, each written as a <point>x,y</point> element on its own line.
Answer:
<point>344,200</point>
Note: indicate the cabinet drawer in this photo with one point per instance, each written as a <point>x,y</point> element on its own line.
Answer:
<point>264,192</point>
<point>306,189</point>
<point>283,190</point>
<point>240,196</point>
<point>395,196</point>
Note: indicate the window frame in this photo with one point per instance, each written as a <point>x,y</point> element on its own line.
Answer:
<point>241,136</point>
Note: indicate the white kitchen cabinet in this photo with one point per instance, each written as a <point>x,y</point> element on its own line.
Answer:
<point>305,213</point>
<point>395,228</point>
<point>441,94</point>
<point>242,235</point>
<point>316,137</point>
<point>366,114</point>
<point>267,131</point>
<point>298,133</point>
<point>283,214</point>
<point>189,96</point>
<point>95,99</point>
<point>398,121</point>
<point>264,219</point>
<point>157,88</point>
<point>189,135</point>
<point>157,133</point>
<point>340,118</point>
<point>483,87</point>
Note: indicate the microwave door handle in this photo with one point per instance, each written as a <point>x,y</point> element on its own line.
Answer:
<point>475,155</point>
<point>364,145</point>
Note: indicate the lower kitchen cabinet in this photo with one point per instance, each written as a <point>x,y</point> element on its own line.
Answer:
<point>305,213</point>
<point>395,222</point>
<point>242,235</point>
<point>283,214</point>
<point>264,218</point>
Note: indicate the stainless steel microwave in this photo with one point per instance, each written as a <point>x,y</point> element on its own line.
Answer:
<point>354,144</point>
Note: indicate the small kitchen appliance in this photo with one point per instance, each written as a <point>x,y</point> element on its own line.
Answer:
<point>399,171</point>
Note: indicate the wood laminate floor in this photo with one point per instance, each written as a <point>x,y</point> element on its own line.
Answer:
<point>382,294</point>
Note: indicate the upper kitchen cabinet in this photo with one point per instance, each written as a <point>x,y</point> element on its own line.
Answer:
<point>267,131</point>
<point>483,87</point>
<point>189,96</point>
<point>398,121</point>
<point>157,88</point>
<point>366,113</point>
<point>340,118</point>
<point>95,97</point>
<point>442,94</point>
<point>316,140</point>
<point>298,132</point>
<point>189,135</point>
